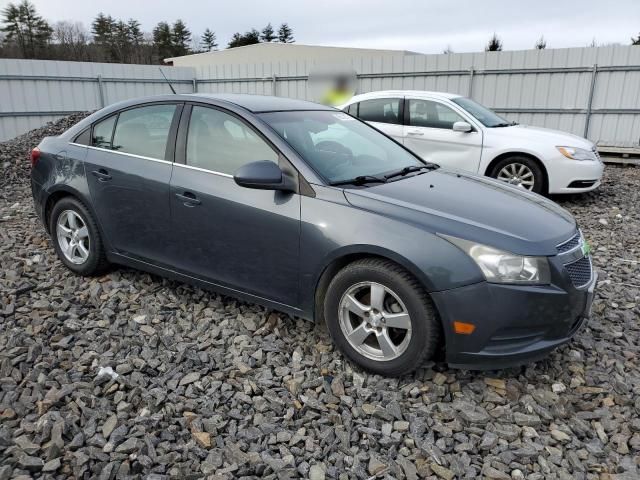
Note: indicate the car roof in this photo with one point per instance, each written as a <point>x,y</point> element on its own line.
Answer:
<point>417,93</point>
<point>261,103</point>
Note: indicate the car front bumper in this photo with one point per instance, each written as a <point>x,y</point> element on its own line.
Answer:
<point>568,176</point>
<point>514,324</point>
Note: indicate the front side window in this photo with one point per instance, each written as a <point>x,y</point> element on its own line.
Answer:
<point>382,110</point>
<point>144,131</point>
<point>103,132</point>
<point>337,146</point>
<point>220,142</point>
<point>487,117</point>
<point>426,113</point>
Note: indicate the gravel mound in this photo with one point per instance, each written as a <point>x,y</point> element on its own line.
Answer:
<point>133,375</point>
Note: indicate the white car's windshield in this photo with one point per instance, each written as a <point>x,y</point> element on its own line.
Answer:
<point>487,117</point>
<point>339,147</point>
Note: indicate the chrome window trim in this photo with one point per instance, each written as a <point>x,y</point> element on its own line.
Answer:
<point>120,153</point>
<point>203,170</point>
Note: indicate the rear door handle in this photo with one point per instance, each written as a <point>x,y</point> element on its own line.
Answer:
<point>415,132</point>
<point>189,199</point>
<point>102,175</point>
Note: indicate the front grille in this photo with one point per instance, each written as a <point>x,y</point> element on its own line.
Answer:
<point>570,244</point>
<point>579,271</point>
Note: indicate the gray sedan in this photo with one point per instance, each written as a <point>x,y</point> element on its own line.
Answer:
<point>310,211</point>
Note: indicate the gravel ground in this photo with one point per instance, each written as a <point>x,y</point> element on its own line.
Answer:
<point>133,375</point>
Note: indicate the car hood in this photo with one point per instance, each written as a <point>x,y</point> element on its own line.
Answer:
<point>471,207</point>
<point>542,135</point>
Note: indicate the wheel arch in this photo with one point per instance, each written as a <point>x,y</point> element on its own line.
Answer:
<point>343,258</point>
<point>516,153</point>
<point>63,191</point>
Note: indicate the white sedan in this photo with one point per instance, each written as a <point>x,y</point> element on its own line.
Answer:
<point>456,132</point>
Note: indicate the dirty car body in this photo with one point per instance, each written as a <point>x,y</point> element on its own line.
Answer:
<point>280,247</point>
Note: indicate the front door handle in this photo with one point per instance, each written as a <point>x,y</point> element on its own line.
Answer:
<point>415,132</point>
<point>189,199</point>
<point>102,175</point>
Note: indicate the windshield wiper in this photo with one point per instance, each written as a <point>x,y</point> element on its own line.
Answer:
<point>360,180</point>
<point>414,168</point>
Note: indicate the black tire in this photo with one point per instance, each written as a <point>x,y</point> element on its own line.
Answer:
<point>425,324</point>
<point>96,262</point>
<point>538,175</point>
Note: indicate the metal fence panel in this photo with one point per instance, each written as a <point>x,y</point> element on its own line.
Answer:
<point>554,88</point>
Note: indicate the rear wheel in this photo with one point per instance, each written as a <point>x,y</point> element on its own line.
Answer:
<point>381,317</point>
<point>520,171</point>
<point>76,237</point>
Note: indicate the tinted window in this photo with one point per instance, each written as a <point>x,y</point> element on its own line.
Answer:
<point>102,132</point>
<point>338,146</point>
<point>222,143</point>
<point>144,131</point>
<point>384,110</point>
<point>353,109</point>
<point>425,113</point>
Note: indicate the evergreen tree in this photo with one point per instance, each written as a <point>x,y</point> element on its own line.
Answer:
<point>162,40</point>
<point>285,34</point>
<point>494,45</point>
<point>181,37</point>
<point>248,38</point>
<point>208,41</point>
<point>102,29</point>
<point>541,44</point>
<point>134,32</point>
<point>635,41</point>
<point>268,34</point>
<point>23,26</point>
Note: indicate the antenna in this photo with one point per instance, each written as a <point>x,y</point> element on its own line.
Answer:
<point>167,80</point>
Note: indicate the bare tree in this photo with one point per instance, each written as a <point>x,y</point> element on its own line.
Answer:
<point>448,50</point>
<point>71,41</point>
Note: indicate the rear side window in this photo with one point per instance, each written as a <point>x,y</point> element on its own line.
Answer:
<point>425,113</point>
<point>383,110</point>
<point>84,138</point>
<point>144,131</point>
<point>103,132</point>
<point>352,109</point>
<point>222,143</point>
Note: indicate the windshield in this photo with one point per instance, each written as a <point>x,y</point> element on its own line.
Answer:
<point>338,146</point>
<point>485,116</point>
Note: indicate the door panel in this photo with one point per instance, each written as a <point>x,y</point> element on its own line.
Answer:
<point>239,237</point>
<point>130,192</point>
<point>429,133</point>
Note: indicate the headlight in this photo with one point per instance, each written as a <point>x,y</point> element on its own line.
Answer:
<point>575,153</point>
<point>499,266</point>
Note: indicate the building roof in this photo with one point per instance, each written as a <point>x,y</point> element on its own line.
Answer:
<point>289,48</point>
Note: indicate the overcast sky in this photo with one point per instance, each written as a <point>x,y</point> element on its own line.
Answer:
<point>426,26</point>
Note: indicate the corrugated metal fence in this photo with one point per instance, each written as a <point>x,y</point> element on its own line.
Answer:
<point>34,92</point>
<point>593,92</point>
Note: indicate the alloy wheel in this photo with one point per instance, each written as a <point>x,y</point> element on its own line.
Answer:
<point>517,174</point>
<point>375,321</point>
<point>73,237</point>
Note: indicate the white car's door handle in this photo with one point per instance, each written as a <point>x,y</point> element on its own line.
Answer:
<point>415,132</point>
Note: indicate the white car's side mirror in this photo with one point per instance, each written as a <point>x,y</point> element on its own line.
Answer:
<point>462,127</point>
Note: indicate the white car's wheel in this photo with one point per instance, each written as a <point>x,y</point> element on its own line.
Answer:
<point>520,171</point>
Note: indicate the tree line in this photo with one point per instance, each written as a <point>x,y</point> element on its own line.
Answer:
<point>26,34</point>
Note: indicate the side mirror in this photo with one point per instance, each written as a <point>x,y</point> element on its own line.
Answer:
<point>463,127</point>
<point>263,175</point>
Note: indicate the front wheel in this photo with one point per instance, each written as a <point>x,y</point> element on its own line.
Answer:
<point>520,171</point>
<point>381,318</point>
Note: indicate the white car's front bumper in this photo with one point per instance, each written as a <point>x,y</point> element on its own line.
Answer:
<point>573,176</point>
